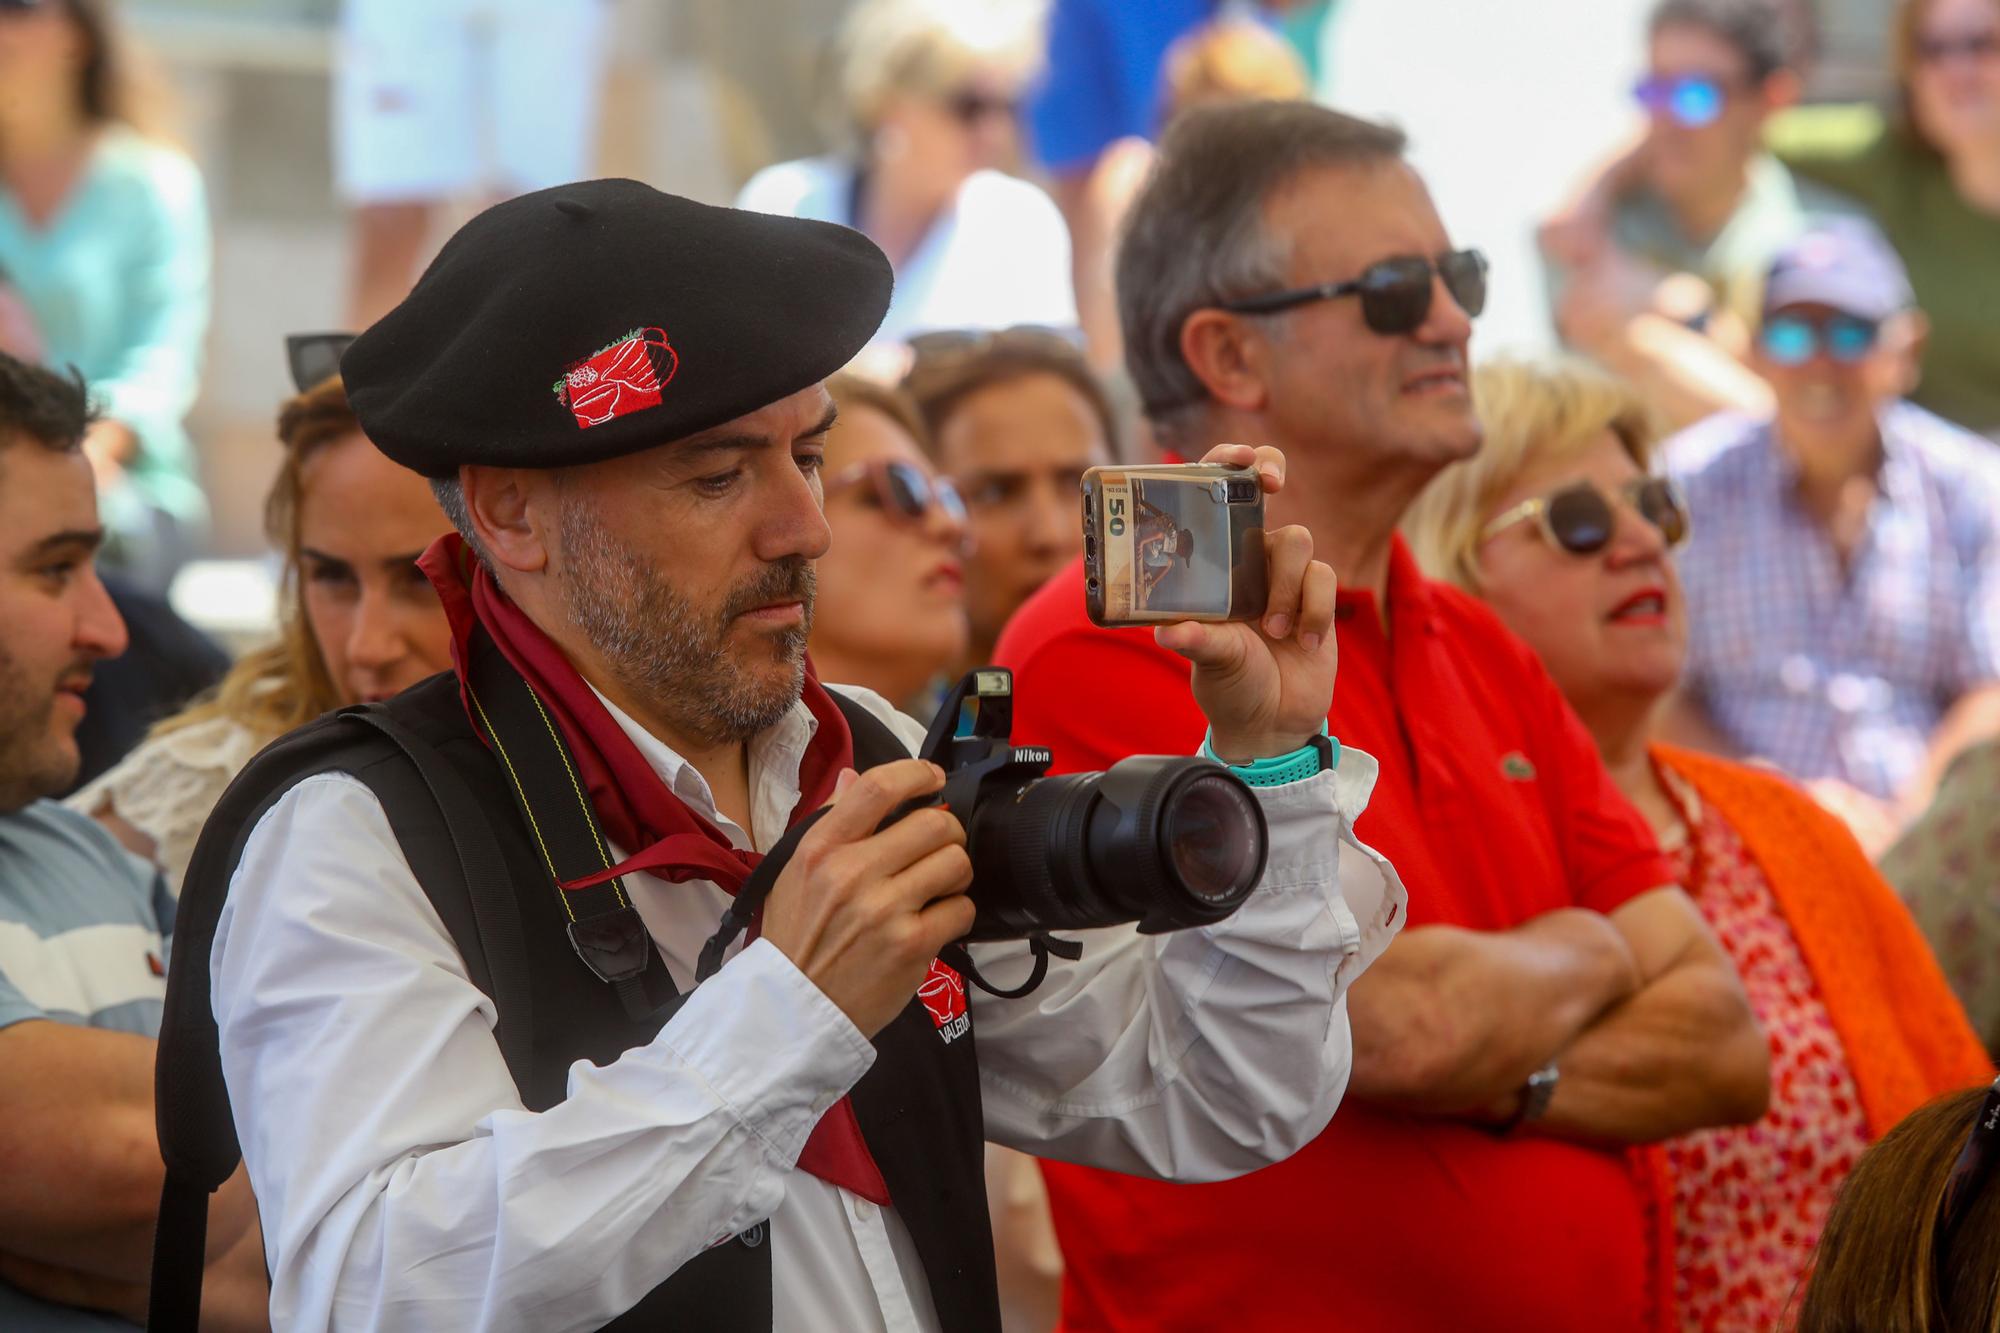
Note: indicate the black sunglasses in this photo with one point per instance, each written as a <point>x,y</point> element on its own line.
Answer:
<point>1969,1173</point>
<point>1580,518</point>
<point>901,489</point>
<point>313,357</point>
<point>1395,293</point>
<point>968,108</point>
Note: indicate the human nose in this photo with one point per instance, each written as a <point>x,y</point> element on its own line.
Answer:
<point>795,523</point>
<point>944,517</point>
<point>1446,324</point>
<point>1050,523</point>
<point>100,630</point>
<point>1636,539</point>
<point>375,639</point>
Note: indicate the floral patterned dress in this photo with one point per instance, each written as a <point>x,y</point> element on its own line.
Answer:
<point>1749,1200</point>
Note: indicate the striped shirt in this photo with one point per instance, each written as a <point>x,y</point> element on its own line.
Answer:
<point>83,931</point>
<point>1832,672</point>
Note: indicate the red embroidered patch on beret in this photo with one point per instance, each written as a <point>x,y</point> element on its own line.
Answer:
<point>623,378</point>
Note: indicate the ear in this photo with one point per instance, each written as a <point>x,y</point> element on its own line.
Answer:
<point>1229,355</point>
<point>1782,89</point>
<point>501,504</point>
<point>1903,337</point>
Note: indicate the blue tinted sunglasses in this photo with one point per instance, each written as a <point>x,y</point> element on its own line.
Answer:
<point>1692,100</point>
<point>1793,340</point>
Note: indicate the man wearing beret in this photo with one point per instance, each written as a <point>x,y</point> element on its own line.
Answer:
<point>617,394</point>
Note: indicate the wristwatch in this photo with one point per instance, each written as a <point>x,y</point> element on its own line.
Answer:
<point>1536,1094</point>
<point>1540,1091</point>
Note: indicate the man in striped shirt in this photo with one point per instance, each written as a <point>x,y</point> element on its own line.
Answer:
<point>83,928</point>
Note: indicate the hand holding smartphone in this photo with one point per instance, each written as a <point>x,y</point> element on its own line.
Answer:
<point>1174,542</point>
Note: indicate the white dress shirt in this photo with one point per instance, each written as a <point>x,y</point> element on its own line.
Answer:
<point>403,1185</point>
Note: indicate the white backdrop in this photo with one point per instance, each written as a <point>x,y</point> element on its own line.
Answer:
<point>1506,103</point>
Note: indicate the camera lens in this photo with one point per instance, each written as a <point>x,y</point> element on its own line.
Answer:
<point>1166,841</point>
<point>1207,827</point>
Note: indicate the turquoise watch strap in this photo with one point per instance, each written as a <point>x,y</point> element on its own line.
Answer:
<point>1320,755</point>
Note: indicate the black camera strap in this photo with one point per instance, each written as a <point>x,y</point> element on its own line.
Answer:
<point>1040,948</point>
<point>604,927</point>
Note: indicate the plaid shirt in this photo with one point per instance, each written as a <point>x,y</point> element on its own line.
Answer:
<point>1830,673</point>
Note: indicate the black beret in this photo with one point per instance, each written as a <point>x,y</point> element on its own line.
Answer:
<point>596,319</point>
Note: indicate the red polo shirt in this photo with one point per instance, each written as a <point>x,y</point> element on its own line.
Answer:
<point>1494,806</point>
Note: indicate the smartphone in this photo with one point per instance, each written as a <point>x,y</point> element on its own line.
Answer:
<point>1173,542</point>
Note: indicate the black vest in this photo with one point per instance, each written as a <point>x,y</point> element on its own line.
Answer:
<point>918,1106</point>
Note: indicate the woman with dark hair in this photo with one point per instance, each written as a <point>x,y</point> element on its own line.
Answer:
<point>1913,1242</point>
<point>359,622</point>
<point>104,245</point>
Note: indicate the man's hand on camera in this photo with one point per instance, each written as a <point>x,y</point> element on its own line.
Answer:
<point>1266,687</point>
<point>862,913</point>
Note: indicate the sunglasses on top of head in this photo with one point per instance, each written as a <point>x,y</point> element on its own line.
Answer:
<point>1970,1173</point>
<point>903,491</point>
<point>311,357</point>
<point>1689,100</point>
<point>1580,519</point>
<point>1793,340</point>
<point>1395,293</point>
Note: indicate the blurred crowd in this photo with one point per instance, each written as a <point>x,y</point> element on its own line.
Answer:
<point>1679,646</point>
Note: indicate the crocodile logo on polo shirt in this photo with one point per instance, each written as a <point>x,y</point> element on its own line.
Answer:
<point>1517,767</point>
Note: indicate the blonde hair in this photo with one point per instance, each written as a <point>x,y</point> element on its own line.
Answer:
<point>1533,412</point>
<point>283,685</point>
<point>1231,60</point>
<point>932,47</point>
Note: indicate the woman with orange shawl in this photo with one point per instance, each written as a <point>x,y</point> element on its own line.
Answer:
<point>1558,526</point>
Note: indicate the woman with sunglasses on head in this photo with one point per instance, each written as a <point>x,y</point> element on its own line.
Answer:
<point>1913,1242</point>
<point>891,608</point>
<point>1557,524</point>
<point>358,622</point>
<point>930,95</point>
<point>104,244</point>
<point>1928,172</point>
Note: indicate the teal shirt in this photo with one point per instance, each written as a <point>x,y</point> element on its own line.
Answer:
<point>117,283</point>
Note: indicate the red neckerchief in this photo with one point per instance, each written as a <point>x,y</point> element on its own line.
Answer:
<point>635,807</point>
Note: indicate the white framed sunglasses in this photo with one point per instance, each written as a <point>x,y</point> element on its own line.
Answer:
<point>1580,518</point>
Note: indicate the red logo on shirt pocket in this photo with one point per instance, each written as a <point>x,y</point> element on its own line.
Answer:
<point>154,965</point>
<point>943,996</point>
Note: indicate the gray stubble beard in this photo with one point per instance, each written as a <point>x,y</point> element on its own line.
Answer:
<point>666,652</point>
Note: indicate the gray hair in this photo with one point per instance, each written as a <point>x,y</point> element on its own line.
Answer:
<point>451,498</point>
<point>1196,235</point>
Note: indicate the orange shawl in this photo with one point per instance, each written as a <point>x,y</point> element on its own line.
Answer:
<point>1905,1034</point>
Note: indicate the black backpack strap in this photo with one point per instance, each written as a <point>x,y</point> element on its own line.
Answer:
<point>490,940</point>
<point>874,743</point>
<point>197,1131</point>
